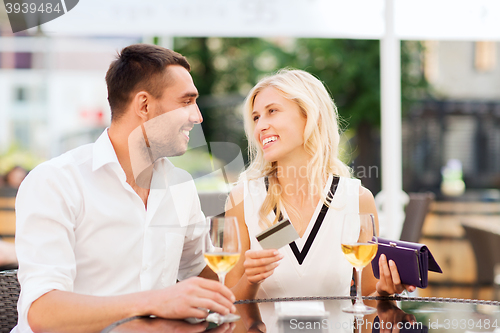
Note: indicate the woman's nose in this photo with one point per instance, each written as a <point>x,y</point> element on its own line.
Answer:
<point>262,124</point>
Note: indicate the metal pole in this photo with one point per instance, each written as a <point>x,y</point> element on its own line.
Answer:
<point>392,179</point>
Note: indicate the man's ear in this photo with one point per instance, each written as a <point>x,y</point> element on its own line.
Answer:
<point>141,103</point>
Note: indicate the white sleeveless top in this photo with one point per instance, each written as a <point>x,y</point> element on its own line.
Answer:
<point>324,270</point>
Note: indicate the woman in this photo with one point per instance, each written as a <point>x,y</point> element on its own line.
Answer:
<point>292,128</point>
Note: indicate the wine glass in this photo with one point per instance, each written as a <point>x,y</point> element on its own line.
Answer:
<point>359,245</point>
<point>222,254</point>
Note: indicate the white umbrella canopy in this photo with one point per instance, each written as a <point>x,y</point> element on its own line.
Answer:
<point>467,20</point>
<point>363,19</point>
<point>387,20</point>
<point>224,18</point>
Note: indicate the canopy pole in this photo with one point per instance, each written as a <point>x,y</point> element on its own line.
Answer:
<point>392,179</point>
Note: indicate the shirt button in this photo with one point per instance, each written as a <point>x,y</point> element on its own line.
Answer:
<point>145,268</point>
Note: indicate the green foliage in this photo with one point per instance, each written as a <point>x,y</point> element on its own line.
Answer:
<point>16,156</point>
<point>351,71</point>
<point>414,86</point>
<point>225,69</point>
<point>349,68</point>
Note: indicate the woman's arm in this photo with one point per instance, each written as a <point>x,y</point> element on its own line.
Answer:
<point>389,282</point>
<point>253,267</point>
<point>236,278</point>
<point>367,206</point>
<point>234,207</point>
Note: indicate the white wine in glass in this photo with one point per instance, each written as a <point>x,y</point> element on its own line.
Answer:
<point>359,245</point>
<point>221,263</point>
<point>223,251</point>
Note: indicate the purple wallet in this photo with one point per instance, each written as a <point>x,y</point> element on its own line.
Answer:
<point>412,259</point>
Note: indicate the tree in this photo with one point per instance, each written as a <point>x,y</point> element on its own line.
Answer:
<point>227,67</point>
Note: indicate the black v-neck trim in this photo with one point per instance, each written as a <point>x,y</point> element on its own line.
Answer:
<point>300,256</point>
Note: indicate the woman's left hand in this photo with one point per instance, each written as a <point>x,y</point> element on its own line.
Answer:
<point>388,312</point>
<point>390,282</point>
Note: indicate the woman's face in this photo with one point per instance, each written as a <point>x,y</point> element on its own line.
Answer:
<point>279,126</point>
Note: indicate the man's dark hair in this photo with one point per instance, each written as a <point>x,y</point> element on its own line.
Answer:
<point>139,67</point>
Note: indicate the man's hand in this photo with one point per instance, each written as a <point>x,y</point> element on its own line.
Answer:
<point>63,311</point>
<point>192,298</point>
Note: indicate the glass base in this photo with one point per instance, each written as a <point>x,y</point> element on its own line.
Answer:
<point>219,319</point>
<point>359,309</point>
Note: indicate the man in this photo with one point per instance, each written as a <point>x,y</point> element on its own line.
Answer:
<point>95,247</point>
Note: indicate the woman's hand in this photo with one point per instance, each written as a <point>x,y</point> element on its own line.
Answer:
<point>390,282</point>
<point>260,264</point>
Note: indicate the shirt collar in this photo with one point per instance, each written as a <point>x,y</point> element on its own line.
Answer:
<point>103,152</point>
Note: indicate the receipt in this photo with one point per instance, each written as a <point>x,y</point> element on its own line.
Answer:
<point>300,309</point>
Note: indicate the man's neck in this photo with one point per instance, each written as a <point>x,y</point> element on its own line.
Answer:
<point>119,139</point>
<point>118,135</point>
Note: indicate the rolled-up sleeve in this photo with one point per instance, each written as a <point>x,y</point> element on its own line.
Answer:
<point>46,214</point>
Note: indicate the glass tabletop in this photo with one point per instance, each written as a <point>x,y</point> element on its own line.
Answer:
<point>324,314</point>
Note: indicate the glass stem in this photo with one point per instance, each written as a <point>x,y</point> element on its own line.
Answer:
<point>222,278</point>
<point>359,299</point>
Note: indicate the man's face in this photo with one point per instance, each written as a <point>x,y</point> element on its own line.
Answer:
<point>173,115</point>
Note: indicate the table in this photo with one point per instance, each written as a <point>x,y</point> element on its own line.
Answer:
<point>430,314</point>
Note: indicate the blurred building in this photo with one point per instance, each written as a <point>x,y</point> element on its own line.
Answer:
<point>53,90</point>
<point>461,122</point>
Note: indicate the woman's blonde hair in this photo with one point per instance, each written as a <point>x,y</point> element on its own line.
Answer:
<point>321,136</point>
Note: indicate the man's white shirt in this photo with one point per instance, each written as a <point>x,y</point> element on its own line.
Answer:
<point>80,227</point>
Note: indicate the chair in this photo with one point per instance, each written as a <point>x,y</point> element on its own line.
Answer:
<point>415,214</point>
<point>9,294</point>
<point>486,247</point>
<point>213,203</point>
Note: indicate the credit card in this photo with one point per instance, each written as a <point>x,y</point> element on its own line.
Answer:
<point>278,235</point>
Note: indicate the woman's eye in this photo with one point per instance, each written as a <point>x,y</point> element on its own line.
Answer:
<point>272,110</point>
<point>255,118</point>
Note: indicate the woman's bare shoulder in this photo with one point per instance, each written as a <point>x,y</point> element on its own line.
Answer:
<point>366,200</point>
